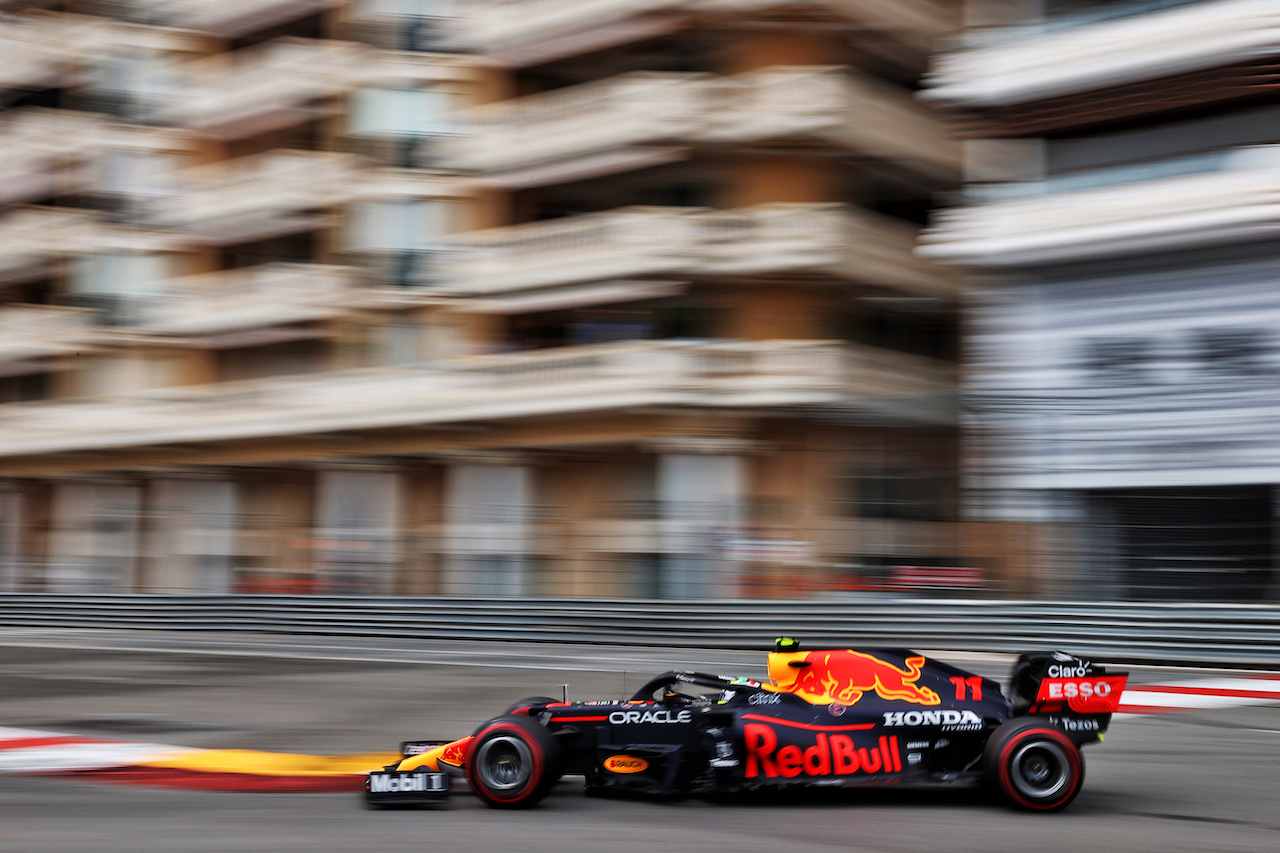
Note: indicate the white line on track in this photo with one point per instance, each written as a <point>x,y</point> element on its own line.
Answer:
<point>1201,694</point>
<point>30,751</point>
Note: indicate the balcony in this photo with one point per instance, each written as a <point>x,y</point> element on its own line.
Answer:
<point>526,31</point>
<point>250,198</point>
<point>834,107</point>
<point>634,242</point>
<point>581,380</point>
<point>44,152</point>
<point>31,238</point>
<point>823,241</point>
<point>279,84</point>
<point>232,18</point>
<point>40,49</point>
<point>614,115</point>
<point>43,50</point>
<point>914,23</point>
<point>1233,203</point>
<point>36,147</point>
<point>1048,64</point>
<point>636,119</point>
<point>237,300</point>
<point>29,332</point>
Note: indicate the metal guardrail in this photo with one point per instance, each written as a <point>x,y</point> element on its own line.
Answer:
<point>1120,632</point>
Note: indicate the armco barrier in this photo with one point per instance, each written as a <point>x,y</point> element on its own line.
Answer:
<point>1185,633</point>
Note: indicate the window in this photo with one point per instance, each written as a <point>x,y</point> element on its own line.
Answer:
<point>128,182</point>
<point>398,225</point>
<point>24,388</point>
<point>911,485</point>
<point>399,112</point>
<point>401,126</point>
<point>412,25</point>
<point>117,283</point>
<point>903,493</point>
<point>279,359</point>
<point>131,85</point>
<point>406,233</point>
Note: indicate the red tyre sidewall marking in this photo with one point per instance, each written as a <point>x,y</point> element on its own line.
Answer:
<point>534,748</point>
<point>1072,759</point>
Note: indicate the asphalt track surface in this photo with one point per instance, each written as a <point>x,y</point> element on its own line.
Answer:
<point>1188,781</point>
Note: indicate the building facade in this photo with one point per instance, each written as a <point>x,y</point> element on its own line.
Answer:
<point>1122,161</point>
<point>518,297</point>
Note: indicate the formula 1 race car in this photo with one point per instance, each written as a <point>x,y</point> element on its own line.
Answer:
<point>826,718</point>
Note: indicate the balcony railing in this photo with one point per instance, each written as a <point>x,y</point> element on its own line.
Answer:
<point>254,297</point>
<point>810,240</point>
<point>1235,204</point>
<point>609,377</point>
<point>916,23</point>
<point>823,240</point>
<point>628,243</point>
<point>260,195</point>
<point>47,152</point>
<point>43,49</point>
<point>804,105</point>
<point>35,134</point>
<point>833,106</point>
<point>640,108</point>
<point>494,26</point>
<point>40,331</point>
<point>1160,43</point>
<point>270,86</point>
<point>230,18</point>
<point>36,235</point>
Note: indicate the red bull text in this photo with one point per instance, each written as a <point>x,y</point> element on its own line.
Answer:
<point>826,755</point>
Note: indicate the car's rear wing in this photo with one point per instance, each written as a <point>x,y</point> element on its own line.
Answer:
<point>1075,694</point>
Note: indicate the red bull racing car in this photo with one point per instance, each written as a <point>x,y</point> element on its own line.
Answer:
<point>835,717</point>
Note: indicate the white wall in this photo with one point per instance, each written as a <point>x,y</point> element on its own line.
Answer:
<point>1147,376</point>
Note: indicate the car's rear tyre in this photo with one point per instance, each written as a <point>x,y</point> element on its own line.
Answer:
<point>1034,765</point>
<point>512,762</point>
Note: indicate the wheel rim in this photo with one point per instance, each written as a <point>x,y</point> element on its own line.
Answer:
<point>1041,770</point>
<point>505,764</point>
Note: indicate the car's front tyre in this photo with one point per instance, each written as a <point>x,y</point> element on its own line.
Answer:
<point>512,762</point>
<point>1034,765</point>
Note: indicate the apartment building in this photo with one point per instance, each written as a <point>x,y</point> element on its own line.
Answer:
<point>1122,163</point>
<point>518,297</point>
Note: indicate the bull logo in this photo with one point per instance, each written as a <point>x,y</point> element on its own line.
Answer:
<point>843,676</point>
<point>439,758</point>
<point>455,753</point>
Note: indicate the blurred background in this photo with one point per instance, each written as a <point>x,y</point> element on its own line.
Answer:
<point>640,298</point>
